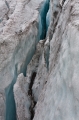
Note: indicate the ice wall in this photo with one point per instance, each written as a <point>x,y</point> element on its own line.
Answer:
<point>43,13</point>
<point>59,100</point>
<point>48,19</point>
<point>10,102</point>
<point>18,43</point>
<point>22,99</point>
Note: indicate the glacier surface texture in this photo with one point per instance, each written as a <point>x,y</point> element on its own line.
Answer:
<point>39,59</point>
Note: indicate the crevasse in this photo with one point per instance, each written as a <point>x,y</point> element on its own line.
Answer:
<point>42,29</point>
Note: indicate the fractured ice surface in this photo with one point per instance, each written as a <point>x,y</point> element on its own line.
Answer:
<point>54,91</point>
<point>59,100</point>
<point>18,42</point>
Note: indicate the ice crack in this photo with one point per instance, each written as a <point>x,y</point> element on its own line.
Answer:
<point>33,102</point>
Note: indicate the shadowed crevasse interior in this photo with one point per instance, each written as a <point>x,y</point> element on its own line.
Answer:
<point>33,102</point>
<point>43,14</point>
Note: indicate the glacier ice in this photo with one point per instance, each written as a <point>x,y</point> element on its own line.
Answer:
<point>10,102</point>
<point>39,78</point>
<point>48,19</point>
<point>27,50</point>
<point>43,13</point>
<point>19,52</point>
<point>22,99</point>
<point>59,99</point>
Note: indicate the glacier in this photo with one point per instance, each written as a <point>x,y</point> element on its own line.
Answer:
<point>21,52</point>
<point>39,60</point>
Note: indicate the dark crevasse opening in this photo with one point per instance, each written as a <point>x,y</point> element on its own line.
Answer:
<point>33,102</point>
<point>63,1</point>
<point>31,83</point>
<point>43,14</point>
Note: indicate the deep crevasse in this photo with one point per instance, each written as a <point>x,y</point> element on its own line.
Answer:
<point>55,90</point>
<point>10,102</point>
